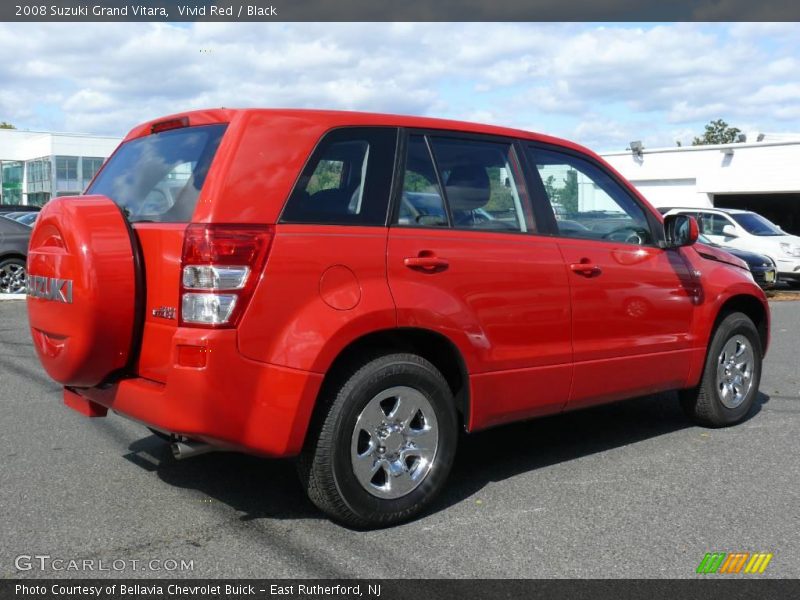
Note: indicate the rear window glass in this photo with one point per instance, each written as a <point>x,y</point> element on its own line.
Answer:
<point>159,177</point>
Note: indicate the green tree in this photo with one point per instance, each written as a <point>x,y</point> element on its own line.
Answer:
<point>717,132</point>
<point>327,176</point>
<point>4,125</point>
<point>565,191</point>
<point>568,195</point>
<point>550,187</point>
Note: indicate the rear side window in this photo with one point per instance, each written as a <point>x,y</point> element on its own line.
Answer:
<point>421,201</point>
<point>159,177</point>
<point>347,181</point>
<point>482,184</point>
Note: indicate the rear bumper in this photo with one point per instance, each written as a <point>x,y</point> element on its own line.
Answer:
<point>232,402</point>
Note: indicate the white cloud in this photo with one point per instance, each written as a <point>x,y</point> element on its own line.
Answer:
<point>603,85</point>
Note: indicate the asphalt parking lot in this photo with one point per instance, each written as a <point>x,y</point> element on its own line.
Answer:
<point>627,490</point>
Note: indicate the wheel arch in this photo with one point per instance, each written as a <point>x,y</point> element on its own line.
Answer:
<point>14,254</point>
<point>430,345</point>
<point>751,306</point>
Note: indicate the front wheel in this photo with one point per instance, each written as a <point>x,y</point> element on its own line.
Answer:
<point>383,443</point>
<point>731,375</point>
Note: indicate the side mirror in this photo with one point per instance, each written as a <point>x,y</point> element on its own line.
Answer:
<point>729,231</point>
<point>680,230</point>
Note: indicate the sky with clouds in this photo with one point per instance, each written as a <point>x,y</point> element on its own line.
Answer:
<point>599,84</point>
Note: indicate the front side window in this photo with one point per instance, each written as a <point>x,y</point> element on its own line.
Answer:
<point>347,181</point>
<point>712,224</point>
<point>587,202</point>
<point>159,177</point>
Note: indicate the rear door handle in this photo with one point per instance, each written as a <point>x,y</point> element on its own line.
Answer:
<point>586,268</point>
<point>426,263</point>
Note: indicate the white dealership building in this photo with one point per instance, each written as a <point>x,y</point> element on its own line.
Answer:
<point>36,166</point>
<point>761,174</point>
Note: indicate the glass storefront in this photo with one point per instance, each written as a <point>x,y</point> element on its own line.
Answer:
<point>11,182</point>
<point>36,181</point>
<point>67,175</point>
<point>89,168</point>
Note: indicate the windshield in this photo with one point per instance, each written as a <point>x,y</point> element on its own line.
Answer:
<point>756,224</point>
<point>159,177</point>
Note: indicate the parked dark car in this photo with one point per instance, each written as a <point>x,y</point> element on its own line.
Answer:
<point>14,238</point>
<point>19,208</point>
<point>763,268</point>
<point>26,218</point>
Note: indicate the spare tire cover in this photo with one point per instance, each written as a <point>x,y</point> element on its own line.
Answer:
<point>81,289</point>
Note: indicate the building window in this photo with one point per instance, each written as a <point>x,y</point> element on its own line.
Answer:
<point>67,175</point>
<point>11,180</point>
<point>89,168</point>
<point>40,177</point>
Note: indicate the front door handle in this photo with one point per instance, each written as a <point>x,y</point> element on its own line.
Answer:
<point>427,263</point>
<point>586,268</point>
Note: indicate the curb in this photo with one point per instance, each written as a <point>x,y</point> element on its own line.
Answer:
<point>12,297</point>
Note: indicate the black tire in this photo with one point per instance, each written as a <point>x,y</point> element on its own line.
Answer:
<point>704,404</point>
<point>325,465</point>
<point>12,276</point>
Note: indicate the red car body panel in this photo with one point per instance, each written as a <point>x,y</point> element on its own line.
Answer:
<point>322,289</point>
<point>535,335</point>
<point>504,303</point>
<point>232,402</point>
<point>161,246</point>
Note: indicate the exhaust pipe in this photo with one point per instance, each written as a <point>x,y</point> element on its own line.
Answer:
<point>188,449</point>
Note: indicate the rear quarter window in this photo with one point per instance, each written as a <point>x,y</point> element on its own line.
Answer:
<point>347,181</point>
<point>159,177</point>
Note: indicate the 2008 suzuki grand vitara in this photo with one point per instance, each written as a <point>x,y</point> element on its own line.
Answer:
<point>353,288</point>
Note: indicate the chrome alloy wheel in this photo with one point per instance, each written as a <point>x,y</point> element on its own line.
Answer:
<point>12,278</point>
<point>394,442</point>
<point>735,371</point>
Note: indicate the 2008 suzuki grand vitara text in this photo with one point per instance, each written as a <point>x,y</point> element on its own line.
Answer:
<point>353,288</point>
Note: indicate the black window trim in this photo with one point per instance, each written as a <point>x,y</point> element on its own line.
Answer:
<point>312,154</point>
<point>459,135</point>
<point>656,226</point>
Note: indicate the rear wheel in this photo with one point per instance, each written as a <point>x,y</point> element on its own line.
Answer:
<point>12,276</point>
<point>731,375</point>
<point>383,443</point>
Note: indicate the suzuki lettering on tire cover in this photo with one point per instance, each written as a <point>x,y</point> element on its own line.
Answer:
<point>81,289</point>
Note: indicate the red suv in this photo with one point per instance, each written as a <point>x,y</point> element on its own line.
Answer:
<point>353,288</point>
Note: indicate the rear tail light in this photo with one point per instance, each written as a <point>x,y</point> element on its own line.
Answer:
<point>210,277</point>
<point>220,268</point>
<point>207,309</point>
